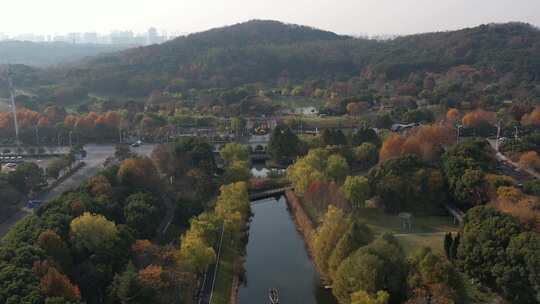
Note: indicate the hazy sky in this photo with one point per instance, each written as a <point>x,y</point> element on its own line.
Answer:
<point>342,16</point>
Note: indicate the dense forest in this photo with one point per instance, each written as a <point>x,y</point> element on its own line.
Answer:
<point>270,52</point>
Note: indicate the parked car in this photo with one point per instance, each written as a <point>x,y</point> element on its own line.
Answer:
<point>31,204</point>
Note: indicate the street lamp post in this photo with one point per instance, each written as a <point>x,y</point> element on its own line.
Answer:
<point>498,136</point>
<point>459,127</point>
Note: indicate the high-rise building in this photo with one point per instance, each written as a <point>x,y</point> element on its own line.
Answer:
<point>153,36</point>
<point>90,37</point>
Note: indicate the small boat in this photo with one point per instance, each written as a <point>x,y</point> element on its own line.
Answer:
<point>273,296</point>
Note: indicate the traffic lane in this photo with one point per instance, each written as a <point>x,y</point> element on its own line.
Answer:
<point>7,224</point>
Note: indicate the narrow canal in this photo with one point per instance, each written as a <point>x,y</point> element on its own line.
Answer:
<point>276,258</point>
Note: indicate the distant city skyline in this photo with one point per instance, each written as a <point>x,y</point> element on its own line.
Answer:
<point>351,17</point>
<point>151,36</point>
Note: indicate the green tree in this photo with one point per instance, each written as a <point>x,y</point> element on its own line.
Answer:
<point>367,154</point>
<point>377,266</point>
<point>409,184</point>
<point>383,121</point>
<point>358,235</point>
<point>448,240</point>
<point>333,137</point>
<point>142,213</point>
<point>365,134</point>
<point>237,171</point>
<point>232,152</point>
<point>122,152</point>
<point>26,177</point>
<point>126,288</point>
<point>485,237</point>
<point>520,280</point>
<point>54,247</point>
<point>337,168</point>
<point>362,297</point>
<point>284,144</point>
<point>431,276</point>
<point>356,190</point>
<point>472,188</point>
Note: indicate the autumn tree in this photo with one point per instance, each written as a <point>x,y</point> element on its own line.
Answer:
<point>530,160</point>
<point>452,116</point>
<point>55,284</point>
<point>138,173</point>
<point>195,254</point>
<point>335,224</point>
<point>302,174</point>
<point>93,232</point>
<point>165,159</point>
<point>152,277</point>
<point>99,186</point>
<point>232,206</point>
<point>532,118</point>
<point>54,246</point>
<point>320,194</point>
<point>425,142</point>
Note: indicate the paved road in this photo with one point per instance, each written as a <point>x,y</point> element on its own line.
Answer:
<point>511,168</point>
<point>96,156</point>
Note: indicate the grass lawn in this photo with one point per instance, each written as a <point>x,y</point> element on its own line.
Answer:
<point>222,290</point>
<point>426,230</point>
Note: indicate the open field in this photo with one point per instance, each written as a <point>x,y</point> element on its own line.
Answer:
<point>298,102</point>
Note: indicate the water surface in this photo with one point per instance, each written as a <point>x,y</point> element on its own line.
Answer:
<point>276,258</point>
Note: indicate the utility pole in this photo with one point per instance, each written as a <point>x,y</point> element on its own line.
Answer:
<point>498,136</point>
<point>13,107</point>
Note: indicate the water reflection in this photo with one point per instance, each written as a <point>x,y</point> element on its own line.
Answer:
<point>276,258</point>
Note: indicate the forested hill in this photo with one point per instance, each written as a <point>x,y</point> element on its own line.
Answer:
<point>505,47</point>
<point>268,51</point>
<point>45,54</point>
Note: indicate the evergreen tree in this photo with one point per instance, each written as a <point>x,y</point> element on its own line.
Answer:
<point>126,288</point>
<point>454,247</point>
<point>448,241</point>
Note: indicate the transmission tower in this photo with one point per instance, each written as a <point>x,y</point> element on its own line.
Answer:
<point>13,107</point>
